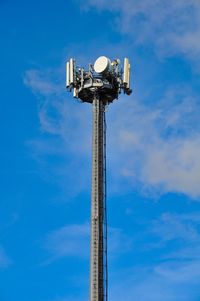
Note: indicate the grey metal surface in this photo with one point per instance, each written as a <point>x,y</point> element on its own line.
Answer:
<point>98,255</point>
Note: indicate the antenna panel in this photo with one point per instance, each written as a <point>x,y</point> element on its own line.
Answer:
<point>129,76</point>
<point>126,79</point>
<point>71,71</point>
<point>67,75</point>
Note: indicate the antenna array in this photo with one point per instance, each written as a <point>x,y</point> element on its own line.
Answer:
<point>105,76</point>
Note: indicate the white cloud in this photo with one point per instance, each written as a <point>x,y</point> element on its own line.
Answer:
<point>174,165</point>
<point>180,231</point>
<point>156,144</point>
<point>180,272</point>
<point>70,240</point>
<point>39,82</point>
<point>164,282</point>
<point>56,105</point>
<point>62,122</point>
<point>4,259</point>
<point>171,275</point>
<point>73,241</point>
<point>171,26</point>
<point>180,227</point>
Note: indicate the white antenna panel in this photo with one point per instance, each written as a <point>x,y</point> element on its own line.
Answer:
<point>102,64</point>
<point>126,78</point>
<point>71,71</point>
<point>129,75</point>
<point>67,75</point>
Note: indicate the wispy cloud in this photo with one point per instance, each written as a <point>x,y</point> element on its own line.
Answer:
<point>55,108</point>
<point>155,144</point>
<point>5,261</point>
<point>60,131</point>
<point>158,144</point>
<point>70,241</point>
<point>173,226</point>
<point>180,234</point>
<point>170,26</point>
<point>167,282</point>
<point>171,275</point>
<point>74,241</point>
<point>39,82</point>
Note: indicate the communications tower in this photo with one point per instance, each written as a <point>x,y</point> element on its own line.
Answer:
<point>99,85</point>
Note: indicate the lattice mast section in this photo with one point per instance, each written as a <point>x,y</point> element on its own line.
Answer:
<point>98,281</point>
<point>100,85</point>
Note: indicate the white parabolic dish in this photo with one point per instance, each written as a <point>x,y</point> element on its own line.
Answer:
<point>102,64</point>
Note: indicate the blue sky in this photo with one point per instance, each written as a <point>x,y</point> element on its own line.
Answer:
<point>153,150</point>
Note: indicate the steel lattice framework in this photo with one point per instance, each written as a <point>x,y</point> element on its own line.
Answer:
<point>100,85</point>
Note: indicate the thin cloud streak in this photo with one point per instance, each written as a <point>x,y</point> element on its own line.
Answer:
<point>171,276</point>
<point>171,27</point>
<point>74,241</point>
<point>5,261</point>
<point>157,146</point>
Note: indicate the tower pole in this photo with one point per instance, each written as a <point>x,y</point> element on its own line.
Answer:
<point>98,245</point>
<point>99,86</point>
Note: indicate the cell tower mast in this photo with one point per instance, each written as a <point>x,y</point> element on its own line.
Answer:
<point>99,85</point>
